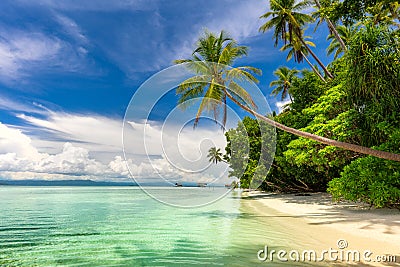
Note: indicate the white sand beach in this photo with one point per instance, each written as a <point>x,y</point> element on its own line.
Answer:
<point>319,223</point>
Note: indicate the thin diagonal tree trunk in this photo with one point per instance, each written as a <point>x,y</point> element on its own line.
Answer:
<point>313,68</point>
<point>315,56</point>
<point>332,27</point>
<point>320,139</point>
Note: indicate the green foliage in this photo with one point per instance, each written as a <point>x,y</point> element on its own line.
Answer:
<point>283,82</point>
<point>305,90</point>
<point>215,155</point>
<point>371,180</point>
<point>351,11</point>
<point>325,118</point>
<point>286,19</point>
<point>250,148</point>
<point>213,79</point>
<point>374,66</point>
<point>345,34</point>
<point>373,79</point>
<point>284,175</point>
<point>359,104</point>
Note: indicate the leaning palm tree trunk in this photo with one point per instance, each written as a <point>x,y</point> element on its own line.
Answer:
<point>332,27</point>
<point>320,139</point>
<point>313,68</point>
<point>315,57</point>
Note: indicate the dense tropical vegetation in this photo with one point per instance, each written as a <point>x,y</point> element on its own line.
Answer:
<point>354,108</point>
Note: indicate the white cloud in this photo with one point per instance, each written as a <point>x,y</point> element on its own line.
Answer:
<point>72,160</point>
<point>282,105</point>
<point>240,19</point>
<point>13,141</point>
<point>12,105</point>
<point>94,133</point>
<point>16,50</point>
<point>72,29</point>
<point>18,154</point>
<point>91,146</point>
<point>23,53</point>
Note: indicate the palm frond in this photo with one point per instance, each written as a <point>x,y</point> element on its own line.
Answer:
<point>242,74</point>
<point>239,91</point>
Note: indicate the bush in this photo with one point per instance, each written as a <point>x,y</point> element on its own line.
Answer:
<point>371,180</point>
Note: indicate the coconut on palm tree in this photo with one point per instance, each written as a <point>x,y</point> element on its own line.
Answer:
<point>214,83</point>
<point>283,82</point>
<point>287,21</point>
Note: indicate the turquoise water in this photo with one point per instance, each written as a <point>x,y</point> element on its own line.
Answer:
<point>122,226</point>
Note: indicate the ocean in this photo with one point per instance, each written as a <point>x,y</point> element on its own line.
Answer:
<point>123,226</point>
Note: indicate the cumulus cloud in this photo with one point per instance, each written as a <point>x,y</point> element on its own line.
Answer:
<point>17,154</point>
<point>91,146</point>
<point>13,141</point>
<point>93,132</point>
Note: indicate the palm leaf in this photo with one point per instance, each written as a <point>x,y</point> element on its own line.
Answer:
<point>239,91</point>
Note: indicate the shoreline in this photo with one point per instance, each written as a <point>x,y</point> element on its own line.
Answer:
<point>318,223</point>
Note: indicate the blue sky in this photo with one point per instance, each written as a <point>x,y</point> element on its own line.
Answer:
<point>68,70</point>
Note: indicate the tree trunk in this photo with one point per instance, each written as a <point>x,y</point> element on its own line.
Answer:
<point>313,68</point>
<point>332,27</point>
<point>320,139</point>
<point>315,57</point>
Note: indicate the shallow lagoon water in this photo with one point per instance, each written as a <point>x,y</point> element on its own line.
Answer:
<point>122,226</point>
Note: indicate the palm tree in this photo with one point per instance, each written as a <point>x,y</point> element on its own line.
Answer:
<point>384,13</point>
<point>215,155</point>
<point>215,83</point>
<point>210,61</point>
<point>282,84</point>
<point>299,52</point>
<point>334,46</point>
<point>331,25</point>
<point>288,22</point>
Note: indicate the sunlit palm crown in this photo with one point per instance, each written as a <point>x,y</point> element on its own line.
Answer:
<point>297,49</point>
<point>214,80</point>
<point>287,20</point>
<point>284,80</point>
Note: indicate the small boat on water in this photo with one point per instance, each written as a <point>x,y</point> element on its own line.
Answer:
<point>201,184</point>
<point>178,185</point>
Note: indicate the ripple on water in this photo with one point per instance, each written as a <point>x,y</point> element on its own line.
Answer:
<point>87,226</point>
